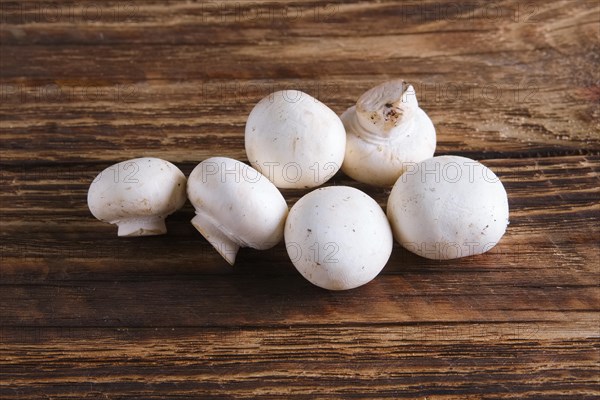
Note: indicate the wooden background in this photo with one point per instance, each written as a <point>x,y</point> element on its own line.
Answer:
<point>86,315</point>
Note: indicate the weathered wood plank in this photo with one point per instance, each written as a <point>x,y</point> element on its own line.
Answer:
<point>464,361</point>
<point>480,98</point>
<point>84,314</point>
<point>222,300</point>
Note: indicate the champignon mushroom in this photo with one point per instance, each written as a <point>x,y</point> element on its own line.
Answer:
<point>448,207</point>
<point>137,195</point>
<point>236,206</point>
<point>338,237</point>
<point>295,140</point>
<point>386,130</point>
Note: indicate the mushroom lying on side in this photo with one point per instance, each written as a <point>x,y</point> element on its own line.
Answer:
<point>338,237</point>
<point>137,195</point>
<point>236,206</point>
<point>386,130</point>
<point>448,207</point>
<point>295,140</point>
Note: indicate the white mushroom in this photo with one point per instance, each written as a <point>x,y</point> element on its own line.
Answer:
<point>338,237</point>
<point>236,206</point>
<point>386,130</point>
<point>295,140</point>
<point>448,207</point>
<point>137,195</point>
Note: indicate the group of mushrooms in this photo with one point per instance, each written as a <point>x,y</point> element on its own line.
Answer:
<point>337,237</point>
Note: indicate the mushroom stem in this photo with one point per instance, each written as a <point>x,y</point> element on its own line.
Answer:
<point>371,134</point>
<point>386,111</point>
<point>216,235</point>
<point>142,226</point>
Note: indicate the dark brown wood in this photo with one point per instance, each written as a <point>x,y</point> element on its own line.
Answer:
<point>84,314</point>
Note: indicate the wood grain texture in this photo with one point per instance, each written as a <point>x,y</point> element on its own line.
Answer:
<point>86,315</point>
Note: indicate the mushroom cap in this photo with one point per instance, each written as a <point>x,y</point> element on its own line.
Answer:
<point>448,207</point>
<point>386,130</point>
<point>241,205</point>
<point>137,188</point>
<point>381,162</point>
<point>295,140</point>
<point>338,237</point>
